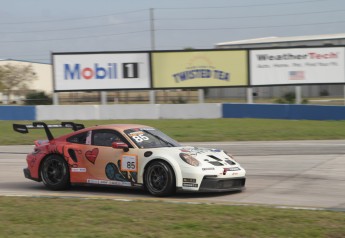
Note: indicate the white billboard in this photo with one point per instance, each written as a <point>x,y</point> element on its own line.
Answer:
<point>101,71</point>
<point>297,66</point>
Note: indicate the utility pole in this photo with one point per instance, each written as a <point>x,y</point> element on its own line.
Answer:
<point>152,93</point>
<point>152,29</point>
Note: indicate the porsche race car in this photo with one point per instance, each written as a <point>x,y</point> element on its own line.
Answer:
<point>128,155</point>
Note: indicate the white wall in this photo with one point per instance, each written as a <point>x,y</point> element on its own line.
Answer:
<point>131,111</point>
<point>69,112</point>
<point>190,111</point>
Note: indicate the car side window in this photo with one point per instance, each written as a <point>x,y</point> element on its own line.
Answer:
<point>78,138</point>
<point>107,137</point>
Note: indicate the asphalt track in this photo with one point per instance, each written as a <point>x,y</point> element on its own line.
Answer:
<point>298,174</point>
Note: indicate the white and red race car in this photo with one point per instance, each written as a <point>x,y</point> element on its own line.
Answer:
<point>128,155</point>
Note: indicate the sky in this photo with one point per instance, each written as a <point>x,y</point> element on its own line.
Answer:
<point>31,30</point>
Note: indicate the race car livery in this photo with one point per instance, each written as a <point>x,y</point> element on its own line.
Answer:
<point>128,155</point>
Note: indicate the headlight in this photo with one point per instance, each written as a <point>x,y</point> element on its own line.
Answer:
<point>230,156</point>
<point>189,159</point>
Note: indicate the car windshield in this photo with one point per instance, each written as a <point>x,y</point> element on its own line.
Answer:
<point>150,138</point>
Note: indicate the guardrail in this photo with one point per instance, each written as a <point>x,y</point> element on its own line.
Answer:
<point>172,111</point>
<point>17,113</point>
<point>283,111</point>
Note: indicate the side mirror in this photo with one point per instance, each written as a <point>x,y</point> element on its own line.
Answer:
<point>120,145</point>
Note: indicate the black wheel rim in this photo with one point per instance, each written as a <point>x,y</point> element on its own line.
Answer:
<point>157,178</point>
<point>54,171</point>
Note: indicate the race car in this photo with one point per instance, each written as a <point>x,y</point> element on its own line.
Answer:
<point>128,155</point>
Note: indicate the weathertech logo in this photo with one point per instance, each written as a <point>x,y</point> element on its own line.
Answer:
<point>289,56</point>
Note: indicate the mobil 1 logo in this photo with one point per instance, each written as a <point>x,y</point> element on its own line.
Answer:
<point>130,70</point>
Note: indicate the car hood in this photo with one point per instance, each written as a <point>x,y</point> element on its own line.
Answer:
<point>204,157</point>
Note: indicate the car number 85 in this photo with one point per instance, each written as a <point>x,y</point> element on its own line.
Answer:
<point>140,138</point>
<point>129,163</point>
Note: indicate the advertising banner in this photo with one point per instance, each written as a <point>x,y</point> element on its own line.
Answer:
<point>297,66</point>
<point>198,69</point>
<point>101,71</point>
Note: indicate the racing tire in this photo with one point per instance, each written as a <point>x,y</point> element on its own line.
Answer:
<point>160,179</point>
<point>55,173</point>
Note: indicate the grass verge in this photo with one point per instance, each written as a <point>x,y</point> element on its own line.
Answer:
<point>56,217</point>
<point>197,130</point>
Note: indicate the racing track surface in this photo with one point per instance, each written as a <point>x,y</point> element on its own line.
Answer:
<point>307,174</point>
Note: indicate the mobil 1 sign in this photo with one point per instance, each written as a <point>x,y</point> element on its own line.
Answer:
<point>297,66</point>
<point>101,71</point>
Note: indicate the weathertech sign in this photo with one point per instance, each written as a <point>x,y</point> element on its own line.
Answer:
<point>297,66</point>
<point>74,72</point>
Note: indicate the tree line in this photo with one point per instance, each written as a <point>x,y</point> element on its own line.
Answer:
<point>14,78</point>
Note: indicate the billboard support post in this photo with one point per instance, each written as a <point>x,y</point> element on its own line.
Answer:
<point>55,99</point>
<point>249,95</point>
<point>152,96</point>
<point>298,92</point>
<point>201,95</point>
<point>103,97</point>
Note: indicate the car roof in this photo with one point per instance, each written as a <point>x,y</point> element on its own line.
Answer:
<point>120,127</point>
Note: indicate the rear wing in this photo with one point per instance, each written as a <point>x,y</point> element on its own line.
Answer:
<point>21,128</point>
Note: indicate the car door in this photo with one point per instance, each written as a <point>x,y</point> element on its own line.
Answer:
<point>108,165</point>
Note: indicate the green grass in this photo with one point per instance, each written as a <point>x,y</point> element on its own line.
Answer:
<point>196,130</point>
<point>53,217</point>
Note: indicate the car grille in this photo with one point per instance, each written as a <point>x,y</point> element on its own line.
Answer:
<point>216,163</point>
<point>222,184</point>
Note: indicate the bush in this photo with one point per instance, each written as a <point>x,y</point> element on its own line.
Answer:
<point>179,100</point>
<point>38,98</point>
<point>289,98</point>
<point>324,93</point>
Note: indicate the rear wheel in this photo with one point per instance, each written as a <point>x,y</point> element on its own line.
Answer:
<point>160,179</point>
<point>55,173</point>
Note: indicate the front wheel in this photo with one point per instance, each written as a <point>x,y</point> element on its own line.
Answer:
<point>160,179</point>
<point>55,173</point>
